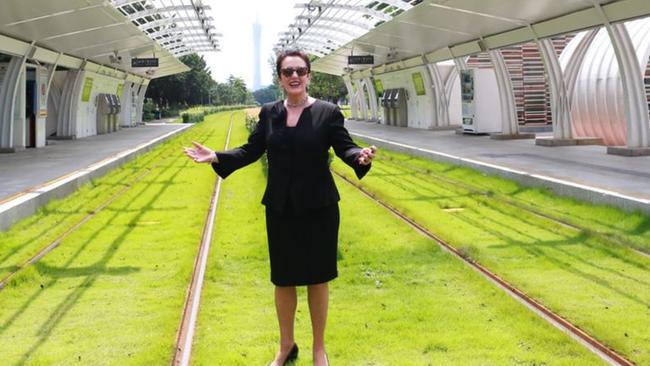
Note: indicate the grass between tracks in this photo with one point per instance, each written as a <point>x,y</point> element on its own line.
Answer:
<point>400,300</point>
<point>113,292</point>
<point>589,276</point>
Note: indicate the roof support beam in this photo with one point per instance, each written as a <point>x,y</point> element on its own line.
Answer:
<point>636,104</point>
<point>364,26</point>
<point>509,121</point>
<point>360,9</point>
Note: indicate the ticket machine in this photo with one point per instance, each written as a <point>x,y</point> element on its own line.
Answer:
<point>116,108</point>
<point>399,107</point>
<point>385,105</point>
<point>104,110</point>
<point>108,110</point>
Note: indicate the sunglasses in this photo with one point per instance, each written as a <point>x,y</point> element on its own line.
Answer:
<point>288,71</point>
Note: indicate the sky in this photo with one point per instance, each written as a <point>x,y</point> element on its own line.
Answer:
<point>234,19</point>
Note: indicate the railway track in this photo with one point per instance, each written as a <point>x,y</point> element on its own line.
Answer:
<point>607,354</point>
<point>46,249</point>
<point>185,334</point>
<point>495,196</point>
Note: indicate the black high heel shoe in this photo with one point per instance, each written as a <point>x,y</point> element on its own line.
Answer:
<point>293,354</point>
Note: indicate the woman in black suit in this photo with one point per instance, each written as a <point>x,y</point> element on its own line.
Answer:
<point>301,199</point>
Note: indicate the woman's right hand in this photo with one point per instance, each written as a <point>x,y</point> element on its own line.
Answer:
<point>200,153</point>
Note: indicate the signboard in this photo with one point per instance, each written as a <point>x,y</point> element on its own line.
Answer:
<point>144,62</point>
<point>120,87</point>
<point>379,88</point>
<point>88,87</point>
<point>361,60</point>
<point>418,82</point>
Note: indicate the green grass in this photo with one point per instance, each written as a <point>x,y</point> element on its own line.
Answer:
<point>591,276</point>
<point>113,292</point>
<point>399,300</point>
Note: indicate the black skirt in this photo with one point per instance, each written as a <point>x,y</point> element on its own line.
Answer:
<point>303,247</point>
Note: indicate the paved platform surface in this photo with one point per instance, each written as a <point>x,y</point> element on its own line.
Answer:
<point>32,167</point>
<point>588,166</point>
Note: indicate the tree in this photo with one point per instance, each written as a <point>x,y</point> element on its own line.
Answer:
<point>189,88</point>
<point>267,94</point>
<point>327,87</point>
<point>233,91</point>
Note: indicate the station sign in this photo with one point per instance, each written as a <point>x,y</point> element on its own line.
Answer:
<point>144,62</point>
<point>361,60</point>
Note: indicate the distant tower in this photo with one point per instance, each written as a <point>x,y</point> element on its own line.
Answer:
<point>257,31</point>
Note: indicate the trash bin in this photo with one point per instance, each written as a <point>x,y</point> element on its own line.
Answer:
<point>156,114</point>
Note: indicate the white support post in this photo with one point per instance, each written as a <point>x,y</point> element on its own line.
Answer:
<point>140,105</point>
<point>8,94</point>
<point>351,96</point>
<point>636,104</point>
<point>509,124</point>
<point>11,78</point>
<point>362,99</point>
<point>461,64</point>
<point>560,107</point>
<point>574,64</point>
<point>372,97</point>
<point>441,103</point>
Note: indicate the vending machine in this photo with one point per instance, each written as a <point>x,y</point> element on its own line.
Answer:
<point>480,101</point>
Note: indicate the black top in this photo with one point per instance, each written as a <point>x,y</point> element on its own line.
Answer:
<point>298,171</point>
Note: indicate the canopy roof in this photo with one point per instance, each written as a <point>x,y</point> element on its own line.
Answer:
<point>444,29</point>
<point>76,32</point>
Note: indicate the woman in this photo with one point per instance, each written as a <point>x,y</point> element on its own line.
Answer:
<point>302,216</point>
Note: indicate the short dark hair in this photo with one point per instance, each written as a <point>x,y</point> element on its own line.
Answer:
<point>291,52</point>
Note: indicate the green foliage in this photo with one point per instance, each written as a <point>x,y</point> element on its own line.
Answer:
<point>188,88</point>
<point>148,110</point>
<point>268,94</point>
<point>196,87</point>
<point>327,87</point>
<point>232,92</point>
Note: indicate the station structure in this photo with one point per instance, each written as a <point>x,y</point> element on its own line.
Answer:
<point>70,69</point>
<point>490,66</point>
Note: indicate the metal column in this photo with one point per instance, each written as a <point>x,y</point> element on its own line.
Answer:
<point>509,124</point>
<point>351,96</point>
<point>372,97</point>
<point>560,107</point>
<point>441,103</point>
<point>7,96</point>
<point>636,104</point>
<point>362,99</point>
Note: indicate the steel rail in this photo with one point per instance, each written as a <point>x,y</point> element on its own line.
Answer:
<point>185,334</point>
<point>591,343</point>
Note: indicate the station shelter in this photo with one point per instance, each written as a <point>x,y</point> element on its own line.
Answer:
<point>490,66</point>
<point>77,68</point>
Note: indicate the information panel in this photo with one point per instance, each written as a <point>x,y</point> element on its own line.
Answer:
<point>88,87</point>
<point>361,60</point>
<point>418,83</point>
<point>144,62</point>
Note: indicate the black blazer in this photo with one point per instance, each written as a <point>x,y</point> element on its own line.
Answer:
<point>298,173</point>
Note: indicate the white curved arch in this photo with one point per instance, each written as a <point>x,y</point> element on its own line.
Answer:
<point>598,107</point>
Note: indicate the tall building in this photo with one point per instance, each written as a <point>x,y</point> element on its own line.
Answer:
<point>257,31</point>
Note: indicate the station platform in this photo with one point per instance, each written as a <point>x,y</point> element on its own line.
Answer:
<point>583,172</point>
<point>30,178</point>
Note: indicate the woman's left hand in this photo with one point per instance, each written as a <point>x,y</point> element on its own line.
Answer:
<point>366,155</point>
